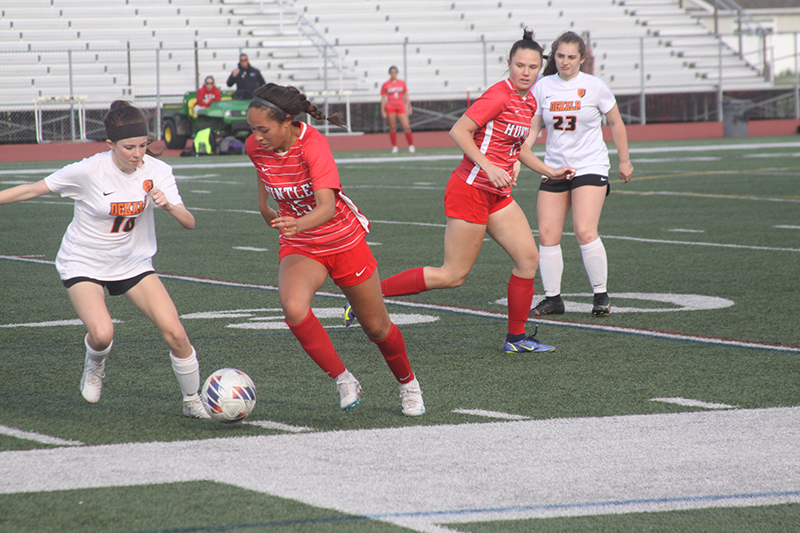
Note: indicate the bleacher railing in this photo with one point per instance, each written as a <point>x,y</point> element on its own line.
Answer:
<point>346,77</point>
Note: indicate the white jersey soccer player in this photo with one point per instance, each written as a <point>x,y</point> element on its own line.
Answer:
<point>572,112</point>
<point>110,244</point>
<point>112,235</point>
<point>572,105</point>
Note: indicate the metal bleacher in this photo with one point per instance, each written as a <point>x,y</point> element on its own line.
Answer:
<point>443,47</point>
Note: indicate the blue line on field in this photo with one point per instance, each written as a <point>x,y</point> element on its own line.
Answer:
<point>493,510</point>
<point>591,505</point>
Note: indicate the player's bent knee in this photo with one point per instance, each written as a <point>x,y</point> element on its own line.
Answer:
<point>176,339</point>
<point>100,337</point>
<point>378,332</point>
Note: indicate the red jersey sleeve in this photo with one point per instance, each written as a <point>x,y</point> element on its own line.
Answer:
<point>488,105</point>
<point>321,165</point>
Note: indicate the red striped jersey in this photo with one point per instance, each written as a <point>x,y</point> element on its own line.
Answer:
<point>504,122</point>
<point>291,178</point>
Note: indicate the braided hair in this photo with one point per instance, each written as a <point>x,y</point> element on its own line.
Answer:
<point>290,102</point>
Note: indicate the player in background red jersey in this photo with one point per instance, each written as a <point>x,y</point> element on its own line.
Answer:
<point>322,233</point>
<point>491,133</point>
<point>396,105</point>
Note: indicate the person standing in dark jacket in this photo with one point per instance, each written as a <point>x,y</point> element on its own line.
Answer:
<point>246,78</point>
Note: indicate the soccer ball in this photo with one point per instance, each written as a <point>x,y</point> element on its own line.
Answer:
<point>228,395</point>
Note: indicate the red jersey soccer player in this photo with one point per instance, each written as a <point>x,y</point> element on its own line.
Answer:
<point>478,196</point>
<point>396,105</point>
<point>322,233</point>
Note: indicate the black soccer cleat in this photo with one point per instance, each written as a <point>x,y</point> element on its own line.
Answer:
<point>602,304</point>
<point>551,305</point>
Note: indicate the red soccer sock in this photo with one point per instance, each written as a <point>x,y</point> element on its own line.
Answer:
<point>317,344</point>
<point>410,281</point>
<point>410,138</point>
<point>393,348</point>
<point>520,296</point>
<point>393,137</point>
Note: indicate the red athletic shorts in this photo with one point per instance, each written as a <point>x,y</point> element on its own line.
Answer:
<point>348,268</point>
<point>396,106</point>
<point>471,204</point>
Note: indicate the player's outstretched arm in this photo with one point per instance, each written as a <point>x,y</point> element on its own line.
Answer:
<point>20,193</point>
<point>530,160</point>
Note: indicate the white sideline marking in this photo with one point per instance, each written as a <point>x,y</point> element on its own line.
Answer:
<point>525,469</point>
<point>250,249</point>
<point>269,424</point>
<point>786,227</point>
<point>539,149</point>
<point>52,323</point>
<point>490,414</point>
<point>693,403</point>
<point>703,195</point>
<point>671,160</point>
<point>679,230</point>
<point>38,437</point>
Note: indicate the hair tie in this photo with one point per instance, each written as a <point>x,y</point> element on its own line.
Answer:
<point>267,103</point>
<point>126,131</point>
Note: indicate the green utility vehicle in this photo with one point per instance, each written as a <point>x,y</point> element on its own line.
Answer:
<point>226,117</point>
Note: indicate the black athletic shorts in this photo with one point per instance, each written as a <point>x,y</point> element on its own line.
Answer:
<point>115,288</point>
<point>578,181</point>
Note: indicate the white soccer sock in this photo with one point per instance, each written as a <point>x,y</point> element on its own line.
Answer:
<point>97,357</point>
<point>551,265</point>
<point>188,373</point>
<point>595,262</point>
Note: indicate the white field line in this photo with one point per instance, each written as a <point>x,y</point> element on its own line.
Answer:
<point>465,472</point>
<point>490,414</point>
<point>37,437</point>
<point>492,314</point>
<point>456,157</point>
<point>699,195</point>
<point>269,424</point>
<point>693,403</point>
<point>250,249</point>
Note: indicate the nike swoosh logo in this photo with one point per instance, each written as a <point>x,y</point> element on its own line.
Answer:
<point>358,274</point>
<point>603,179</point>
<point>550,96</point>
<point>107,193</point>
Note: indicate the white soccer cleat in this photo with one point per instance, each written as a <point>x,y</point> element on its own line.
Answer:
<point>411,397</point>
<point>349,390</point>
<point>411,149</point>
<point>394,149</point>
<point>92,380</point>
<point>193,407</point>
